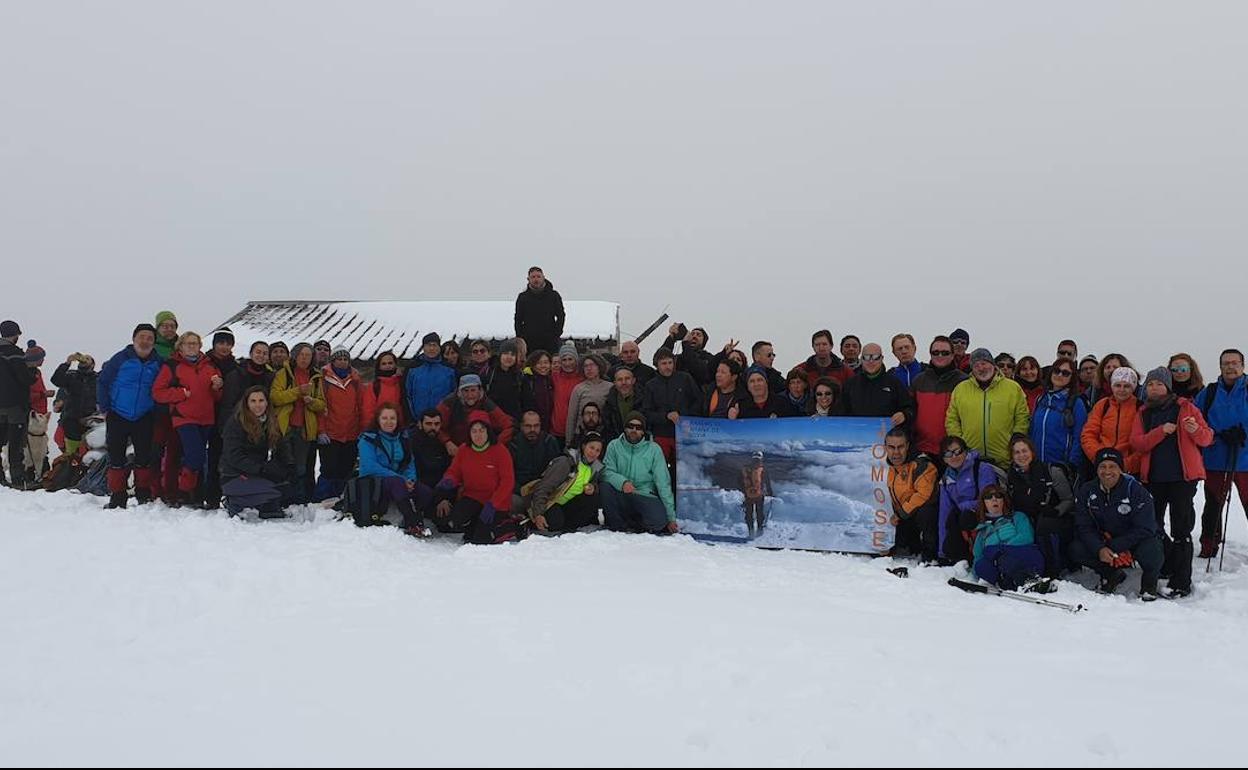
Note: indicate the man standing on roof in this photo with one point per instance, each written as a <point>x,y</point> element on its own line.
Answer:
<point>756,486</point>
<point>539,313</point>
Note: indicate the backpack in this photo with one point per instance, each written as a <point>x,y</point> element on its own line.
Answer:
<point>65,472</point>
<point>362,497</point>
<point>95,480</point>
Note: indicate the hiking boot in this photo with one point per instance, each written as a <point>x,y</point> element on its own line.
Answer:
<point>117,500</point>
<point>1175,593</point>
<point>1208,547</point>
<point>1148,595</point>
<point>419,531</point>
<point>1111,581</point>
<point>1040,586</point>
<point>142,496</point>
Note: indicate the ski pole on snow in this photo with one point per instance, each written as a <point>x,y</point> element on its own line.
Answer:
<point>1226,515</point>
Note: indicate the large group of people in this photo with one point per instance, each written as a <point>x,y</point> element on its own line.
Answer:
<point>1026,471</point>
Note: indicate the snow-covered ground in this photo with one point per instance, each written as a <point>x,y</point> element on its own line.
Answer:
<point>151,636</point>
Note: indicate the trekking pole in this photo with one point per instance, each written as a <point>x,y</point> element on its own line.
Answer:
<point>1226,516</point>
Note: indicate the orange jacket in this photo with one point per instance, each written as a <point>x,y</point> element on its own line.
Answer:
<point>1109,425</point>
<point>344,402</point>
<point>912,488</point>
<point>1190,444</point>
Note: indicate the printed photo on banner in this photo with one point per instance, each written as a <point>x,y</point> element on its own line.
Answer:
<point>798,482</point>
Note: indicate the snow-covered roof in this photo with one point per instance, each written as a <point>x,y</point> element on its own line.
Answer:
<point>368,328</point>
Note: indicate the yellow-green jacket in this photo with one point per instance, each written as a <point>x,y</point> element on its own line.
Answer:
<point>986,418</point>
<point>285,392</point>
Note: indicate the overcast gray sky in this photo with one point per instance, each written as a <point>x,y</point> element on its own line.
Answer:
<point>1027,171</point>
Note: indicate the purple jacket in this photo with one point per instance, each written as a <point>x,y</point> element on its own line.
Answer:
<point>959,490</point>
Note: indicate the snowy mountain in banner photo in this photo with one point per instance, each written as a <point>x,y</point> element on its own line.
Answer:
<point>820,472</point>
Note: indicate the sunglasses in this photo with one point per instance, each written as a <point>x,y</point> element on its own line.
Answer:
<point>1066,353</point>
<point>941,353</point>
<point>1007,364</point>
<point>954,452</point>
<point>1063,373</point>
<point>994,496</point>
<point>1180,369</point>
<point>873,357</point>
<point>769,355</point>
<point>822,393</point>
<point>634,426</point>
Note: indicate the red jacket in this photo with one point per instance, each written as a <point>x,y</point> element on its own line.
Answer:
<point>1190,444</point>
<point>344,406</point>
<point>932,392</point>
<point>564,385</point>
<point>38,394</point>
<point>198,408</point>
<point>383,390</point>
<point>487,476</point>
<point>456,420</point>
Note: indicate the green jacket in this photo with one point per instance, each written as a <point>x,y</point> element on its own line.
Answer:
<point>643,464</point>
<point>284,392</point>
<point>986,418</point>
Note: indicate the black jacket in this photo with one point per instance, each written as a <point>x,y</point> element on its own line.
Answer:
<point>240,456</point>
<point>15,377</point>
<point>237,381</point>
<point>698,363</point>
<point>510,390</point>
<point>78,400</point>
<point>641,372</point>
<point>722,403</point>
<point>530,459</point>
<point>775,406</point>
<point>539,318</point>
<point>882,396</point>
<point>678,393</point>
<point>432,459</point>
<point>612,420</point>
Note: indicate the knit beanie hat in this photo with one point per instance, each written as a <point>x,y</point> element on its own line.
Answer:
<point>223,335</point>
<point>1160,374</point>
<point>569,349</point>
<point>508,346</point>
<point>960,335</point>
<point>34,353</point>
<point>1110,454</point>
<point>340,352</point>
<point>433,337</point>
<point>981,354</point>
<point>166,315</point>
<point>143,328</point>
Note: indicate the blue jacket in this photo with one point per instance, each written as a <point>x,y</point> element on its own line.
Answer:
<point>908,373</point>
<point>1055,432</point>
<point>125,384</point>
<point>386,454</point>
<point>959,490</point>
<point>1125,512</point>
<point>428,381</point>
<point>1228,410</point>
<point>1011,529</point>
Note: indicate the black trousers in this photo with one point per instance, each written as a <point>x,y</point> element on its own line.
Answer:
<point>1178,497</point>
<point>580,511</point>
<point>13,432</point>
<point>121,432</point>
<point>212,478</point>
<point>465,517</point>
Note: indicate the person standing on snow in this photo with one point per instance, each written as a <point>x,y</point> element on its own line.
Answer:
<point>756,487</point>
<point>539,313</point>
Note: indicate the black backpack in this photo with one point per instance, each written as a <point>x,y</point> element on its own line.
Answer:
<point>362,497</point>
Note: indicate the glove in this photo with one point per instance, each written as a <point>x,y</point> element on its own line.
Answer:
<point>1124,559</point>
<point>487,514</point>
<point>1235,436</point>
<point>322,439</point>
<point>445,485</point>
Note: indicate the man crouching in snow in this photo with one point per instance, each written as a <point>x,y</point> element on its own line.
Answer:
<point>1115,526</point>
<point>638,494</point>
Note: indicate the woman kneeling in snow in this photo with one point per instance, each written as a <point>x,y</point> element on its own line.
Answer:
<point>1006,554</point>
<point>385,455</point>
<point>256,462</point>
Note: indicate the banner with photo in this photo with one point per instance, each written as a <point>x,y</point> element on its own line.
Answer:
<point>818,483</point>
